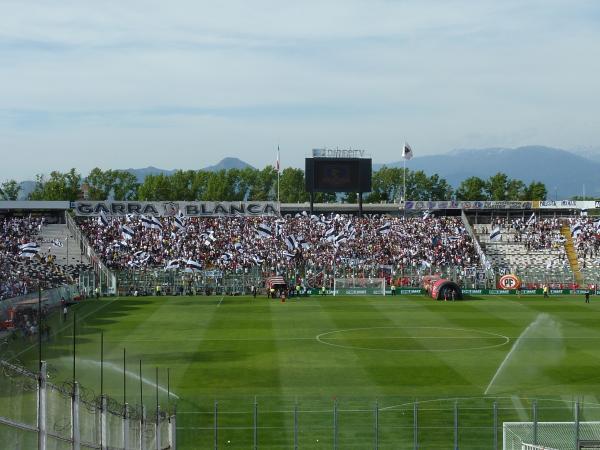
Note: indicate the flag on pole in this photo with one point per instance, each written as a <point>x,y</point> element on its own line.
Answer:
<point>264,230</point>
<point>329,234</point>
<point>385,228</point>
<point>29,250</point>
<point>291,242</point>
<point>210,238</point>
<point>102,220</point>
<point>146,222</point>
<point>155,223</point>
<point>532,220</point>
<point>288,255</point>
<point>172,265</point>
<point>277,162</point>
<point>127,232</point>
<point>407,153</point>
<point>179,223</point>
<point>28,245</point>
<point>192,266</point>
<point>576,229</point>
<point>340,239</point>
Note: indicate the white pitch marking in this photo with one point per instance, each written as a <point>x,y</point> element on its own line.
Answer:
<point>351,347</point>
<point>448,399</point>
<point>219,304</point>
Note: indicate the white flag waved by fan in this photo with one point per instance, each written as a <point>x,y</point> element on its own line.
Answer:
<point>172,265</point>
<point>102,220</point>
<point>496,234</point>
<point>407,152</point>
<point>29,252</point>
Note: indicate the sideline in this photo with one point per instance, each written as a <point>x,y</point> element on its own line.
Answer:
<point>487,397</point>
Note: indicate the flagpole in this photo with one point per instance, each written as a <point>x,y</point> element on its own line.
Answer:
<point>404,180</point>
<point>278,170</point>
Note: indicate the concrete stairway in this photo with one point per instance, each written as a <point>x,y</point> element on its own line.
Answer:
<point>565,230</point>
<point>69,253</point>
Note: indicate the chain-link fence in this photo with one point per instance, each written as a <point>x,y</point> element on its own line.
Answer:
<point>179,282</point>
<point>386,424</point>
<point>37,414</point>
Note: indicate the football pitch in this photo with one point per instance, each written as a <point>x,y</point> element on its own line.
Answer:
<point>354,372</point>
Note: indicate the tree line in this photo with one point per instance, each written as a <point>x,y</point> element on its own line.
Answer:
<point>261,184</point>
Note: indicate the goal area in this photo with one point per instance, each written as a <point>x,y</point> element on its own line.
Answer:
<point>359,286</point>
<point>551,435</point>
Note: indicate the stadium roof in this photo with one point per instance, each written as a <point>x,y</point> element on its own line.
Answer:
<point>34,204</point>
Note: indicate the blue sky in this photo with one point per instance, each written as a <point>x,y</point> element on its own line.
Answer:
<point>182,84</point>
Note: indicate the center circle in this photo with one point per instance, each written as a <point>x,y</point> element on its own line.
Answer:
<point>413,339</point>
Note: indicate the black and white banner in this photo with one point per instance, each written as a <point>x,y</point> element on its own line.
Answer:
<point>174,209</point>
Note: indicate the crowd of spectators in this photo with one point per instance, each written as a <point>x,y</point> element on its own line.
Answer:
<point>314,243</point>
<point>21,273</point>
<point>586,240</point>
<point>534,233</point>
<point>547,234</point>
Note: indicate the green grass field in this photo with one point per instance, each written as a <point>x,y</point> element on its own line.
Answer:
<point>361,352</point>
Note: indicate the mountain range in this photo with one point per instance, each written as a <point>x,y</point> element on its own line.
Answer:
<point>141,174</point>
<point>224,164</point>
<point>565,174</point>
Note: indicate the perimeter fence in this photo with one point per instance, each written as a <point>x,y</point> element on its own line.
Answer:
<point>401,423</point>
<point>49,298</point>
<point>38,414</point>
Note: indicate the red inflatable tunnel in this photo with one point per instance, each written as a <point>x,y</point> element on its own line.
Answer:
<point>446,290</point>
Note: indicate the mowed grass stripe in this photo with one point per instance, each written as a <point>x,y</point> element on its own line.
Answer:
<point>549,355</point>
<point>224,370</point>
<point>248,347</point>
<point>459,370</point>
<point>478,365</point>
<point>128,318</point>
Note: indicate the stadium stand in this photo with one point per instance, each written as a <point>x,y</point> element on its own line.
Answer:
<point>541,244</point>
<point>587,241</point>
<point>135,252</point>
<point>521,244</point>
<point>278,244</point>
<point>27,259</point>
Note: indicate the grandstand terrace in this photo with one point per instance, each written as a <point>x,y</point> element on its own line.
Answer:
<point>34,248</point>
<point>389,240</point>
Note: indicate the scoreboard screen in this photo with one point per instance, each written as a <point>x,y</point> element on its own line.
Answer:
<point>338,175</point>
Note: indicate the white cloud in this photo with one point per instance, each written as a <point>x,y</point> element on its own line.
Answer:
<point>185,83</point>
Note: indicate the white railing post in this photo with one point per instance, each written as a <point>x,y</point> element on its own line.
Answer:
<point>103,425</point>
<point>142,425</point>
<point>75,432</point>
<point>158,428</point>
<point>173,431</point>
<point>41,412</point>
<point>126,426</point>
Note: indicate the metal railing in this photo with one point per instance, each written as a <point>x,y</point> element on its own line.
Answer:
<point>37,414</point>
<point>107,281</point>
<point>387,423</point>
